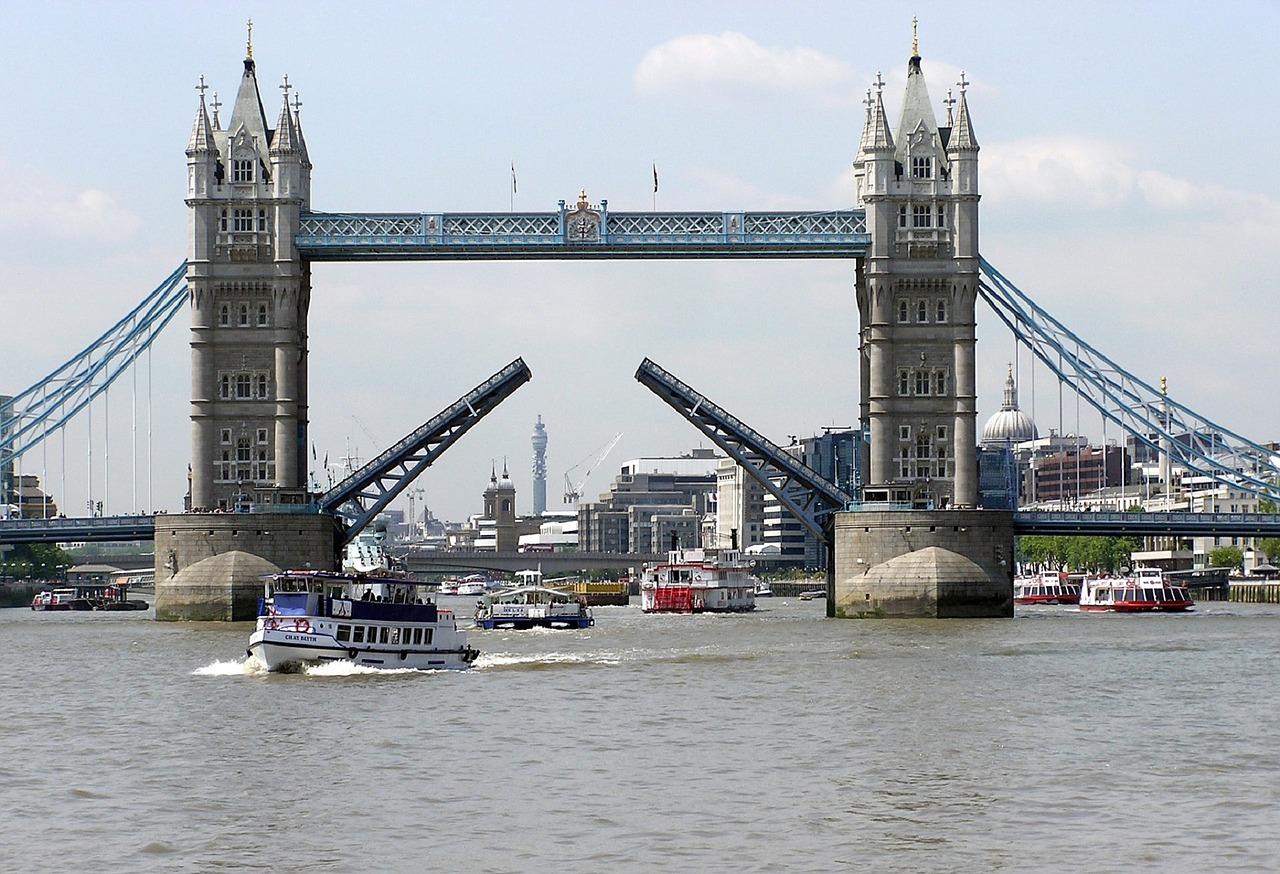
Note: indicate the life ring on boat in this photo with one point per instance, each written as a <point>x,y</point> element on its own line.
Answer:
<point>302,625</point>
<point>404,654</point>
<point>351,653</point>
<point>270,624</point>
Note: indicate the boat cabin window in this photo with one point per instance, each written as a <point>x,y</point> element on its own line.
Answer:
<point>395,635</point>
<point>385,633</point>
<point>344,633</point>
<point>357,634</point>
<point>417,636</point>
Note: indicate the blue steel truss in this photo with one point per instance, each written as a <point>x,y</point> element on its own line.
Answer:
<point>359,498</point>
<point>46,406</point>
<point>1150,415</point>
<point>798,487</point>
<point>585,231</point>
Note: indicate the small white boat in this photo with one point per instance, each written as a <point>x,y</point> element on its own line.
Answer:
<point>532,606</point>
<point>311,617</point>
<point>763,590</point>
<point>475,584</point>
<point>698,581</point>
<point>1046,588</point>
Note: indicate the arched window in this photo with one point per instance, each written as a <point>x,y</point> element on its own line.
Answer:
<point>940,382</point>
<point>902,311</point>
<point>224,315</point>
<point>244,315</point>
<point>222,221</point>
<point>262,315</point>
<point>922,311</point>
<point>942,311</point>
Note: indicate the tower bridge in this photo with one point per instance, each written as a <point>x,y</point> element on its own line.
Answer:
<point>912,243</point>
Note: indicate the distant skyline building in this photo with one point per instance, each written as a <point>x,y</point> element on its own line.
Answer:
<point>539,467</point>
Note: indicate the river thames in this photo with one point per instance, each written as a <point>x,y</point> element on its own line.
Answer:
<point>774,741</point>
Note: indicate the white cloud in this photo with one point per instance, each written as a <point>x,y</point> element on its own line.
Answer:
<point>34,204</point>
<point>709,62</point>
<point>1096,175</point>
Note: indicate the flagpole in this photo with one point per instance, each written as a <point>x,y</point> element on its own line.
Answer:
<point>513,186</point>
<point>655,187</point>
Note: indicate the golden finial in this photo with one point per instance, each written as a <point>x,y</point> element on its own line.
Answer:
<point>915,42</point>
<point>1164,385</point>
<point>582,197</point>
<point>248,43</point>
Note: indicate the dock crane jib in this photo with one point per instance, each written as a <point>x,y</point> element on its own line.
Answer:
<point>573,492</point>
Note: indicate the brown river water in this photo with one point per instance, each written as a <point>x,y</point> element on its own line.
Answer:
<point>774,741</point>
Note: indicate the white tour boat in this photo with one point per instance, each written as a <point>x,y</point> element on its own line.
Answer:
<point>309,617</point>
<point>1145,591</point>
<point>699,581</point>
<point>529,604</point>
<point>1047,588</point>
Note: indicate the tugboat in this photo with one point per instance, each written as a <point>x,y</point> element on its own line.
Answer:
<point>310,617</point>
<point>1146,591</point>
<point>699,581</point>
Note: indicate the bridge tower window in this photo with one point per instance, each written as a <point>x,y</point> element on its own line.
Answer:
<point>904,382</point>
<point>224,315</point>
<point>262,315</point>
<point>260,386</point>
<point>942,311</point>
<point>922,383</point>
<point>242,220</point>
<point>922,167</point>
<point>244,315</point>
<point>902,216</point>
<point>903,311</point>
<point>242,170</point>
<point>922,311</point>
<point>921,216</point>
<point>940,382</point>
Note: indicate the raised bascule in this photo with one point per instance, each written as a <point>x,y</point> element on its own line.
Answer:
<point>913,541</point>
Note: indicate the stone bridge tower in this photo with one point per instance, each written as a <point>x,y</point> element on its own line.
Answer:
<point>247,185</point>
<point>916,293</point>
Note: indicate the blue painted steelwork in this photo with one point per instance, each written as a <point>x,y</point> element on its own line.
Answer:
<point>805,493</point>
<point>359,498</point>
<point>1121,524</point>
<point>583,232</point>
<point>50,403</point>
<point>91,528</point>
<point>1150,415</point>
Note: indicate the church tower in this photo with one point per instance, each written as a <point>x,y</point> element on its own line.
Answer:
<point>500,506</point>
<point>916,291</point>
<point>247,185</point>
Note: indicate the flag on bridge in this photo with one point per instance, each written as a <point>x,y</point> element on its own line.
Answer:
<point>655,178</point>
<point>513,178</point>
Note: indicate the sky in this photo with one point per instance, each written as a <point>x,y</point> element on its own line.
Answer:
<point>1128,179</point>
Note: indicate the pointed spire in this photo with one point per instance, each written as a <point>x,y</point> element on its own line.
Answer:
<point>201,142</point>
<point>916,108</point>
<point>962,138</point>
<point>297,127</point>
<point>247,111</point>
<point>876,136</point>
<point>286,132</point>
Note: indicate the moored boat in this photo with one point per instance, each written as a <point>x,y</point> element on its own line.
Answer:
<point>310,617</point>
<point>698,581</point>
<point>1046,588</point>
<point>1145,591</point>
<point>92,596</point>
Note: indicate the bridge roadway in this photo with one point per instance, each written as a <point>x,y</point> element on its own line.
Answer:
<point>131,528</point>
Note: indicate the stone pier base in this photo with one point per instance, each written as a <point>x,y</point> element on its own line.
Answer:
<point>922,563</point>
<point>192,584</point>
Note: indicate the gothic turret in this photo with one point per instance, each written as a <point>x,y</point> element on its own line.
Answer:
<point>916,294</point>
<point>250,292</point>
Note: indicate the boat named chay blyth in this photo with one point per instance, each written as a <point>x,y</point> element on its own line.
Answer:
<point>699,581</point>
<point>1146,591</point>
<point>310,617</point>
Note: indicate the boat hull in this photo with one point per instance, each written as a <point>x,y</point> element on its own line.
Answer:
<point>291,650</point>
<point>521,622</point>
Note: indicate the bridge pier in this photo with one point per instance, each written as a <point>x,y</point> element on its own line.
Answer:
<point>941,564</point>
<point>208,564</point>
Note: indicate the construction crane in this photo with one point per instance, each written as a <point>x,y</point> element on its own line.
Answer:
<point>573,492</point>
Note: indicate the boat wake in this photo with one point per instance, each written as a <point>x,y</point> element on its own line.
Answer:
<point>544,661</point>
<point>246,667</point>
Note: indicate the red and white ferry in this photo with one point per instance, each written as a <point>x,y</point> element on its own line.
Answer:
<point>1046,588</point>
<point>699,581</point>
<point>1145,591</point>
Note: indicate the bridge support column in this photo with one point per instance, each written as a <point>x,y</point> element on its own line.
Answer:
<point>927,564</point>
<point>208,564</point>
